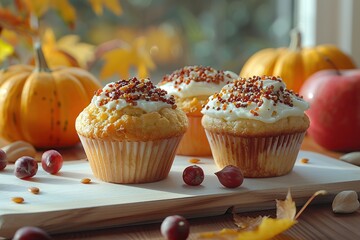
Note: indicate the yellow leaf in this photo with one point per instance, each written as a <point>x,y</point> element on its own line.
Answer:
<point>63,7</point>
<point>268,229</point>
<point>37,7</point>
<point>286,209</point>
<point>5,50</point>
<point>66,11</point>
<point>10,36</point>
<point>82,52</point>
<point>165,43</point>
<point>247,223</point>
<point>49,40</point>
<point>117,61</point>
<point>112,5</point>
<point>54,55</point>
<point>121,60</point>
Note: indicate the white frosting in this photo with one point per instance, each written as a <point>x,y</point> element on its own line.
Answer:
<point>191,88</point>
<point>118,104</point>
<point>269,111</point>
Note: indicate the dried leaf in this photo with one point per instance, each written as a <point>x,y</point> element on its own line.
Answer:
<point>268,229</point>
<point>247,223</point>
<point>261,228</point>
<point>121,60</point>
<point>112,5</point>
<point>5,50</point>
<point>286,209</point>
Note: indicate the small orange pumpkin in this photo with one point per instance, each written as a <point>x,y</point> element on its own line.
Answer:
<point>40,105</point>
<point>295,64</point>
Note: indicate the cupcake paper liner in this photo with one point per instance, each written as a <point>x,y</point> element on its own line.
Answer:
<point>194,142</point>
<point>130,161</point>
<point>256,156</point>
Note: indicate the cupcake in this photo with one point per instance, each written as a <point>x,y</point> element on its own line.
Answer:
<point>191,87</point>
<point>256,124</point>
<point>130,132</point>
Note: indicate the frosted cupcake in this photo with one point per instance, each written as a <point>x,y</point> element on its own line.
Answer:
<point>130,131</point>
<point>191,87</point>
<point>256,124</point>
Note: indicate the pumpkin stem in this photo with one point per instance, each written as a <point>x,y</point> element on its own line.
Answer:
<point>295,40</point>
<point>40,59</point>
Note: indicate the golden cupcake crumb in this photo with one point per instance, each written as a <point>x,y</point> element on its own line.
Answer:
<point>34,190</point>
<point>17,200</point>
<point>86,180</point>
<point>194,160</point>
<point>304,160</point>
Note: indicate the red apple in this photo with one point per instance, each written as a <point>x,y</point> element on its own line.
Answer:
<point>334,98</point>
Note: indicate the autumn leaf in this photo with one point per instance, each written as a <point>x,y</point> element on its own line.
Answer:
<point>112,5</point>
<point>5,50</point>
<point>54,55</point>
<point>9,20</point>
<point>82,52</point>
<point>38,7</point>
<point>261,228</point>
<point>268,229</point>
<point>247,223</point>
<point>66,51</point>
<point>65,9</point>
<point>286,209</point>
<point>120,60</point>
<point>164,42</point>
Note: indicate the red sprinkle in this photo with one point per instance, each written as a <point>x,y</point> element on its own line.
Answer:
<point>246,91</point>
<point>135,89</point>
<point>183,75</point>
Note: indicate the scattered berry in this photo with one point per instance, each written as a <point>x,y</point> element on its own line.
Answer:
<point>31,233</point>
<point>175,228</point>
<point>51,161</point>
<point>25,167</point>
<point>193,175</point>
<point>3,161</point>
<point>230,176</point>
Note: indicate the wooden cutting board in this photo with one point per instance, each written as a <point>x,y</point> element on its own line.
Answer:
<point>65,204</point>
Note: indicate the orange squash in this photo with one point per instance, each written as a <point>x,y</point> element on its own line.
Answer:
<point>295,64</point>
<point>40,105</point>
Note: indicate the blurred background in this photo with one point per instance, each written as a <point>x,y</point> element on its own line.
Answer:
<point>169,34</point>
<point>220,34</point>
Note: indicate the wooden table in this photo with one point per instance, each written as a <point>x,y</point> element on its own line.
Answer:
<point>317,222</point>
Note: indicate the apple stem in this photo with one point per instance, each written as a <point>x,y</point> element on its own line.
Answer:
<point>337,71</point>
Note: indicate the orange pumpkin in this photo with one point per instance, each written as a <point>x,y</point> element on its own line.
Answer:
<point>40,105</point>
<point>295,64</point>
